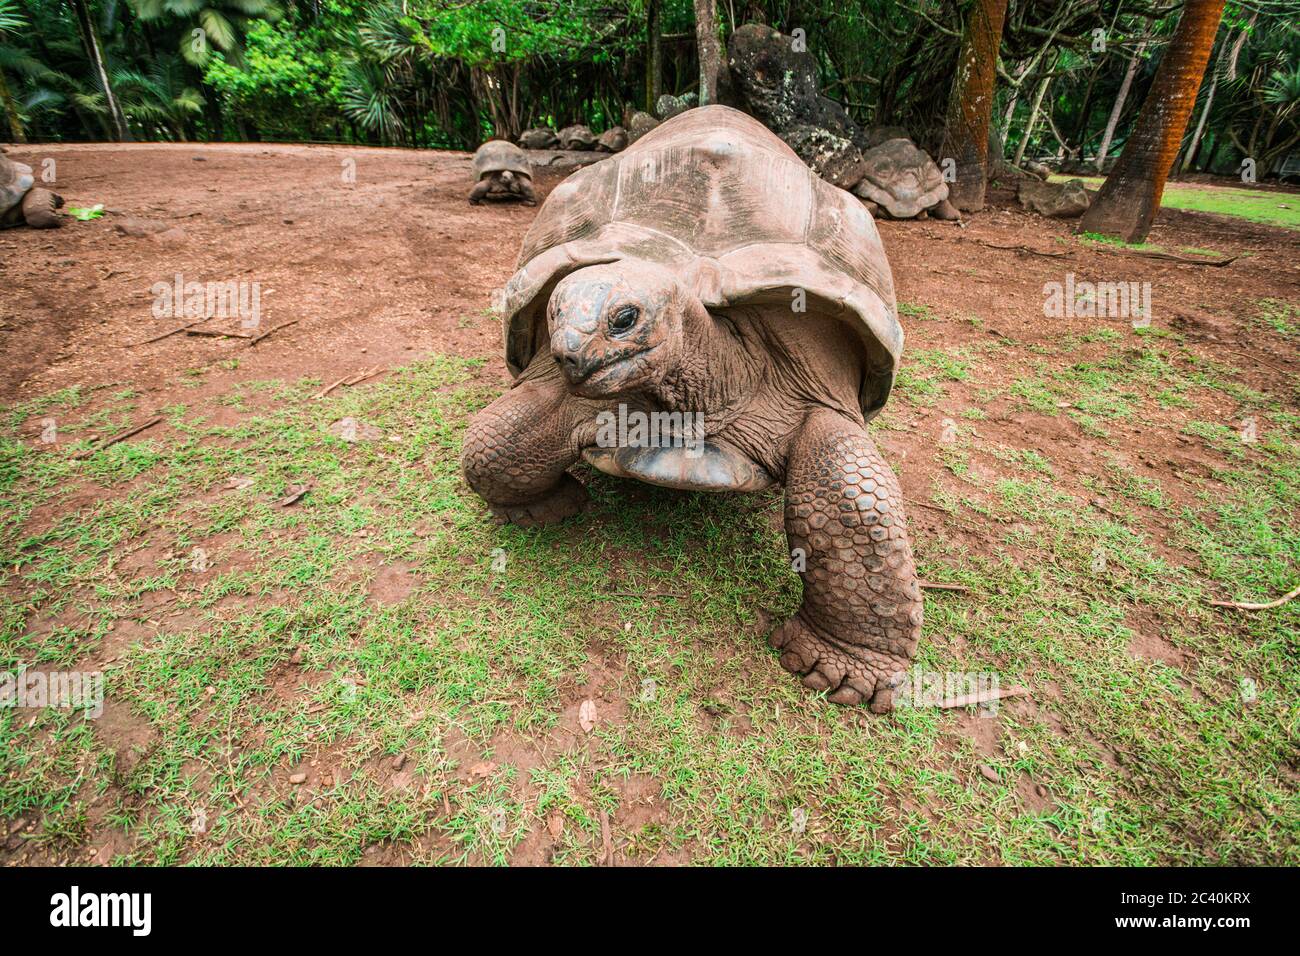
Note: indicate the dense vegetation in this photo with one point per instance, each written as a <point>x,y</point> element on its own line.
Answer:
<point>451,72</point>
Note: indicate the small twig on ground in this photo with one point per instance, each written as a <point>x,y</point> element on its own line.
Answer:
<point>983,696</point>
<point>1248,606</point>
<point>605,840</point>
<point>218,334</point>
<point>1167,256</point>
<point>1256,358</point>
<point>167,334</point>
<point>294,496</point>
<point>273,329</point>
<point>120,436</point>
<point>922,504</point>
<point>350,380</point>
<point>934,586</point>
<point>1023,248</point>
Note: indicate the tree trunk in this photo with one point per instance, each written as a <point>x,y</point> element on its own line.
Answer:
<point>11,112</point>
<point>1118,108</point>
<point>1033,119</point>
<point>117,121</point>
<point>1130,196</point>
<point>654,56</point>
<point>970,105</point>
<point>1195,144</point>
<point>706,36</point>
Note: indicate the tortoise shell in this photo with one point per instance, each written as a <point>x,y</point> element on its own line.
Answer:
<point>498,155</point>
<point>16,180</point>
<point>719,199</point>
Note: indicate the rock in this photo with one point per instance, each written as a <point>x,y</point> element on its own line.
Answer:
<point>1055,200</point>
<point>901,178</point>
<point>988,773</point>
<point>833,158</point>
<point>576,137</point>
<point>297,779</point>
<point>352,430</point>
<point>668,106</point>
<point>640,124</point>
<point>539,137</point>
<point>171,237</point>
<point>139,228</point>
<point>778,83</point>
<point>612,140</point>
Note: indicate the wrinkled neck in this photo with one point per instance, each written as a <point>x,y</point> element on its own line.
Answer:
<point>715,373</point>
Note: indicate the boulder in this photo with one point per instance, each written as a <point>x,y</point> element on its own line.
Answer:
<point>668,106</point>
<point>902,179</point>
<point>640,124</point>
<point>539,137</point>
<point>576,137</point>
<point>612,140</point>
<point>1055,200</point>
<point>833,158</point>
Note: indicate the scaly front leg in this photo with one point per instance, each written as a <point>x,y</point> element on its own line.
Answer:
<point>857,630</point>
<point>517,449</point>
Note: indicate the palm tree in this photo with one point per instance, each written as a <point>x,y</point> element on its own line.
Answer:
<point>970,106</point>
<point>209,24</point>
<point>159,96</point>
<point>1130,196</point>
<point>10,22</point>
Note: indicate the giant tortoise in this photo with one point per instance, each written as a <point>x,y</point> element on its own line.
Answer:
<point>707,277</point>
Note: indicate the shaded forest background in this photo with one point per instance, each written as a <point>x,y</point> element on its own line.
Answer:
<point>450,73</point>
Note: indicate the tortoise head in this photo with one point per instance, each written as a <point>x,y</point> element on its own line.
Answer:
<point>616,328</point>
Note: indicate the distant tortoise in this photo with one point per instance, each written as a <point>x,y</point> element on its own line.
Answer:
<point>22,201</point>
<point>903,180</point>
<point>502,171</point>
<point>706,271</point>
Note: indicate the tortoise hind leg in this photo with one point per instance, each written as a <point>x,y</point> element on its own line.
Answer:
<point>858,628</point>
<point>516,451</point>
<point>41,209</point>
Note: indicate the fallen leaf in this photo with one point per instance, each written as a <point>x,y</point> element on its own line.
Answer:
<point>481,771</point>
<point>587,715</point>
<point>556,825</point>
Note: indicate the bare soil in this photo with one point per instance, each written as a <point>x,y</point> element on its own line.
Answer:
<point>397,265</point>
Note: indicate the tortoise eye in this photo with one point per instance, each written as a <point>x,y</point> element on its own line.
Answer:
<point>624,318</point>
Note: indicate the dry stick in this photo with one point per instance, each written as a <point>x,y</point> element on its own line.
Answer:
<point>293,497</point>
<point>120,436</point>
<point>218,334</point>
<point>168,334</point>
<point>1247,606</point>
<point>983,696</point>
<point>922,504</point>
<point>933,586</point>
<point>351,380</point>
<point>1024,248</point>
<point>1255,358</point>
<point>605,840</point>
<point>275,328</point>
<point>1169,256</point>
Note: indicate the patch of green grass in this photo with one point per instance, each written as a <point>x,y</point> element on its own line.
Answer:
<point>385,614</point>
<point>1256,205</point>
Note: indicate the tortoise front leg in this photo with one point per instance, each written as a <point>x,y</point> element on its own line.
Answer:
<point>526,190</point>
<point>41,209</point>
<point>517,449</point>
<point>857,630</point>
